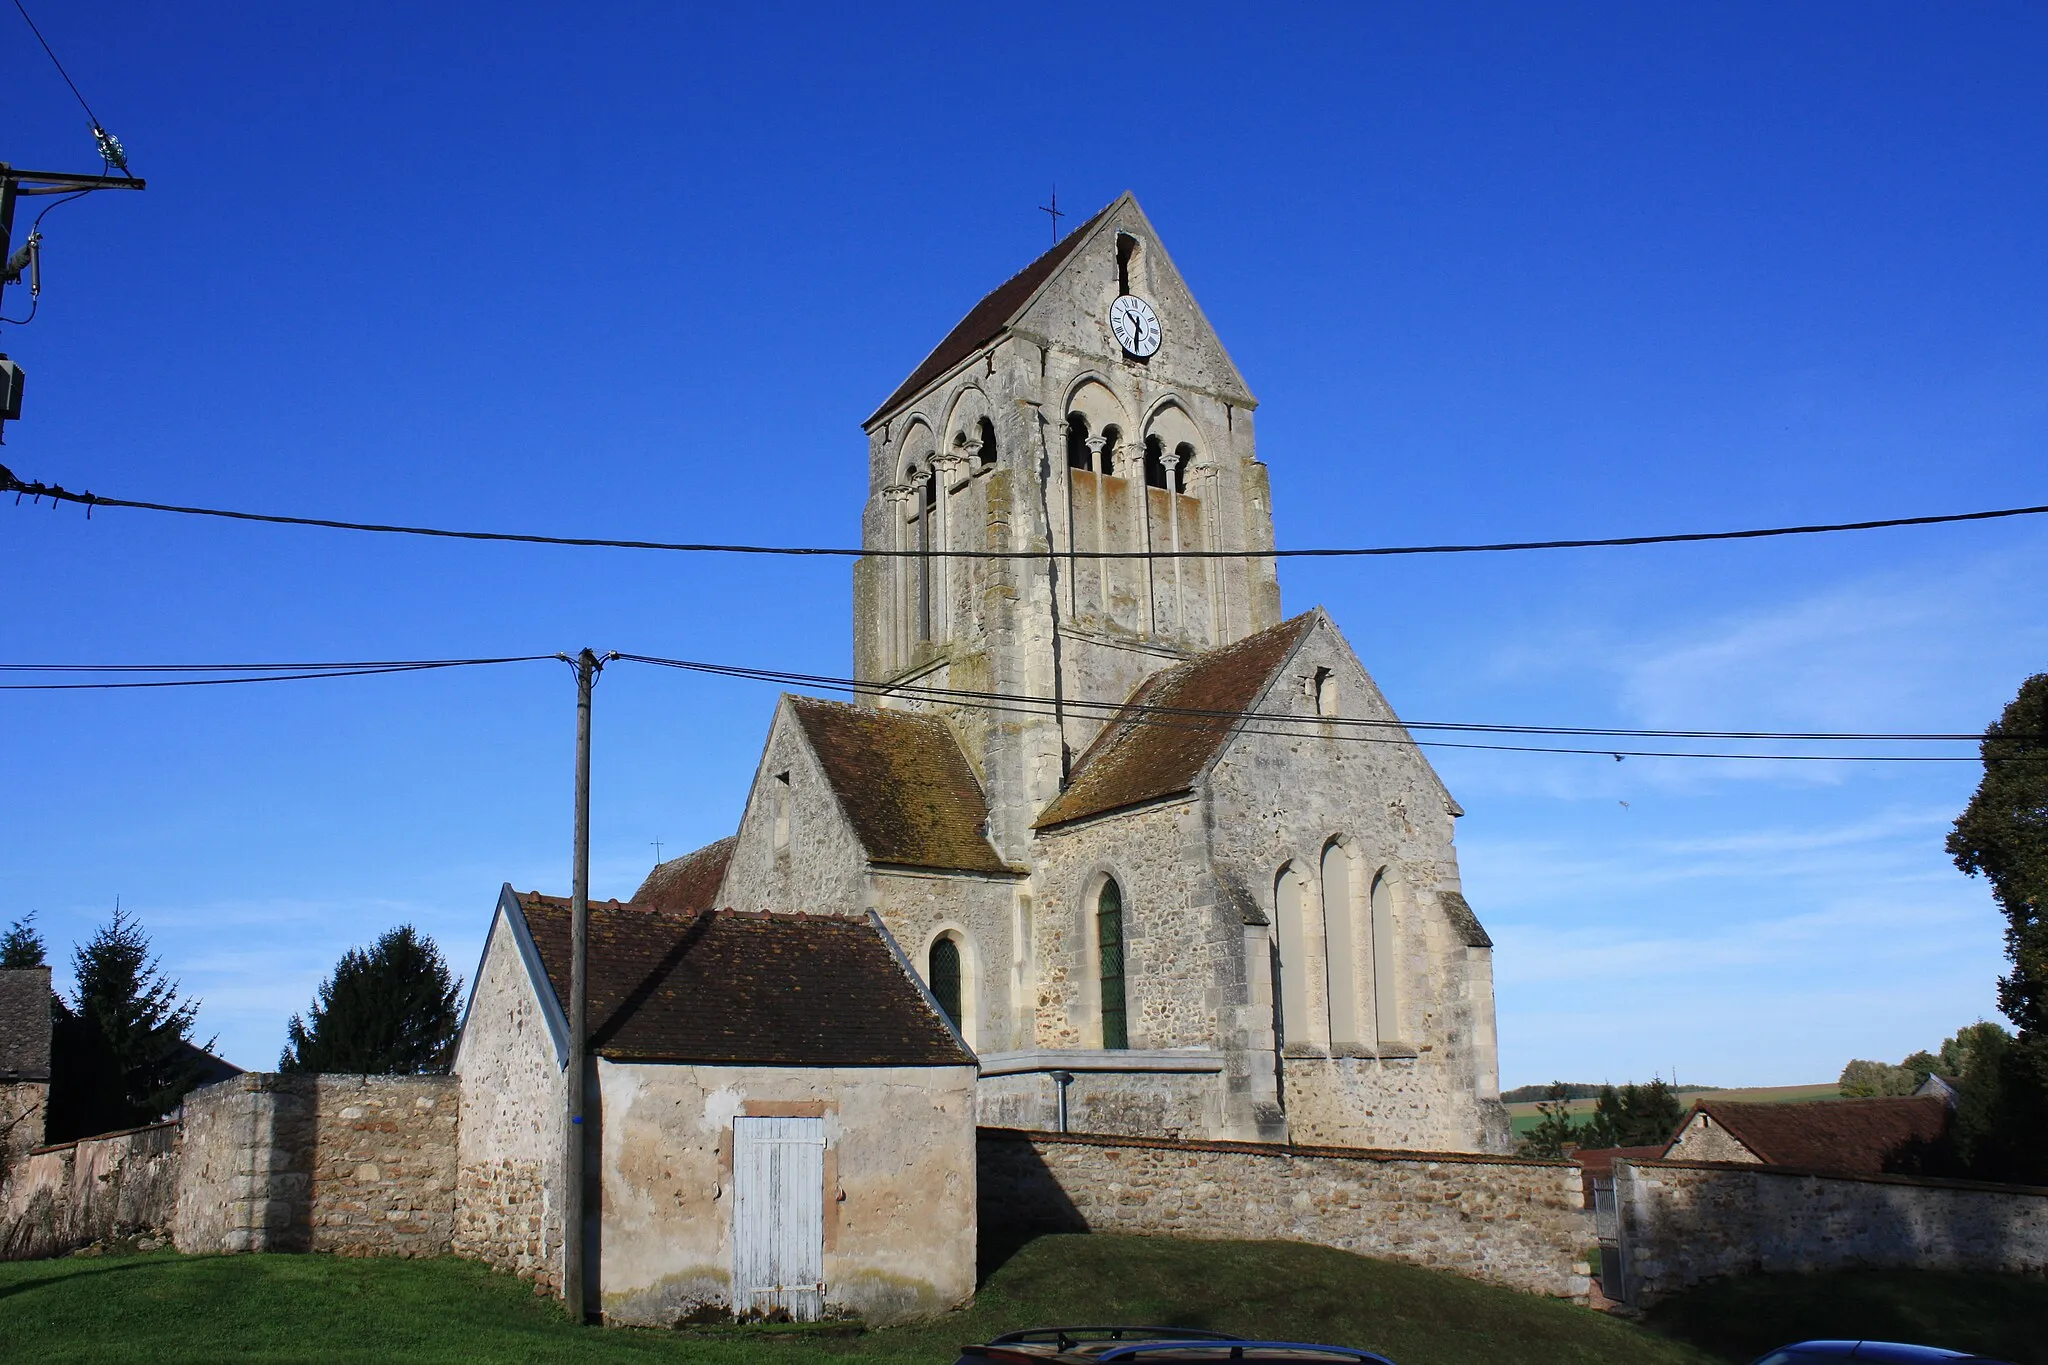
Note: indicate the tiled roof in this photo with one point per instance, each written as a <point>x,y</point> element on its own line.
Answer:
<point>686,885</point>
<point>745,989</point>
<point>1141,756</point>
<point>990,316</point>
<point>25,1024</point>
<point>905,786</point>
<point>1600,1160</point>
<point>1830,1135</point>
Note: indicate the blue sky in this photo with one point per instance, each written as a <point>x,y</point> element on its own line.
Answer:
<point>639,271</point>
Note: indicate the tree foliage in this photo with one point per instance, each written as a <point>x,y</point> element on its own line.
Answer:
<point>2002,836</point>
<point>387,1010</point>
<point>1633,1116</point>
<point>122,1052</point>
<point>1554,1134</point>
<point>21,945</point>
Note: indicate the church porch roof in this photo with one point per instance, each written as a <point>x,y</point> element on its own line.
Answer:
<point>905,786</point>
<point>1166,734</point>
<point>689,884</point>
<point>731,988</point>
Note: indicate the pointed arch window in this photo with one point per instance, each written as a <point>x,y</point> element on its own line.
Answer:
<point>1109,944</point>
<point>1290,937</point>
<point>1340,953</point>
<point>987,453</point>
<point>1385,961</point>
<point>942,973</point>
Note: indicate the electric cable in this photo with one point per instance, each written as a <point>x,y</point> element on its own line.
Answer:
<point>111,151</point>
<point>324,671</point>
<point>1239,721</point>
<point>36,491</point>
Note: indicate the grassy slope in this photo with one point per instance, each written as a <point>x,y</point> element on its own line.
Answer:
<point>170,1308</point>
<point>164,1307</point>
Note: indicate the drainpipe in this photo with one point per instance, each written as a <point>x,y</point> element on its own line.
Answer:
<point>1063,1079</point>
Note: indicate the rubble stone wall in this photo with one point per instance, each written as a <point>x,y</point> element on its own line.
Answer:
<point>1503,1220</point>
<point>359,1165</point>
<point>1685,1222</point>
<point>57,1199</point>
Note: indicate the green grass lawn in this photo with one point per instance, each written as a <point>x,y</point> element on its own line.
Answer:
<point>166,1307</point>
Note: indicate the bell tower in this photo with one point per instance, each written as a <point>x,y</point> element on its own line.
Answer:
<point>1084,422</point>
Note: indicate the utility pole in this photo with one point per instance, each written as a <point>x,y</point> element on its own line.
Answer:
<point>587,667</point>
<point>21,184</point>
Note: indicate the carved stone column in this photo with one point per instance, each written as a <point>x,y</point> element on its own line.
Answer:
<point>897,497</point>
<point>1170,461</point>
<point>945,469</point>
<point>1098,462</point>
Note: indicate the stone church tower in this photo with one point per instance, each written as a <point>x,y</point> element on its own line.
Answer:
<point>1168,859</point>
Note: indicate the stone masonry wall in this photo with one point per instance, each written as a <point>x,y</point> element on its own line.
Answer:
<point>357,1165</point>
<point>23,1108</point>
<point>72,1195</point>
<point>1503,1220</point>
<point>1685,1222</point>
<point>510,1149</point>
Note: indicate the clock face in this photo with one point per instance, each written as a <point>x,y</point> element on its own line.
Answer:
<point>1135,324</point>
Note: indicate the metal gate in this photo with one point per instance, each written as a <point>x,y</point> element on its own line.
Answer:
<point>778,1217</point>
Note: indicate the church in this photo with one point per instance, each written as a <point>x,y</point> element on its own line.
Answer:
<point>1166,858</point>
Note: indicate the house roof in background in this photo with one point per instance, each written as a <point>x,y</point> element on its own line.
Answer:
<point>1141,756</point>
<point>1830,1135</point>
<point>988,318</point>
<point>906,787</point>
<point>689,884</point>
<point>727,987</point>
<point>25,1024</point>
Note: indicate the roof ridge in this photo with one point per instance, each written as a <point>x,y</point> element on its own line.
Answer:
<point>976,327</point>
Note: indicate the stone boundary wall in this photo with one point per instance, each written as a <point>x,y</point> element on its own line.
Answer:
<point>1504,1220</point>
<point>1685,1222</point>
<point>358,1165</point>
<point>60,1198</point>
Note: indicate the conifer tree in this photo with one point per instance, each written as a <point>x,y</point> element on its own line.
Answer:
<point>121,1049</point>
<point>387,1010</point>
<point>21,945</point>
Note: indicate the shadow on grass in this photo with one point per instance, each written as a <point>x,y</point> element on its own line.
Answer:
<point>8,1291</point>
<point>1740,1318</point>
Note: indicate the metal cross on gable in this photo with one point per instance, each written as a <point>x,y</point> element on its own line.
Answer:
<point>1054,211</point>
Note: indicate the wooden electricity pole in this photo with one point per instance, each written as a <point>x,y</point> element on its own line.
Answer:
<point>587,666</point>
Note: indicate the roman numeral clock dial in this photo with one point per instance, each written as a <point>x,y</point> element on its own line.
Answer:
<point>1135,324</point>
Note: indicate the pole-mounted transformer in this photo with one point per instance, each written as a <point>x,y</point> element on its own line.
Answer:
<point>21,184</point>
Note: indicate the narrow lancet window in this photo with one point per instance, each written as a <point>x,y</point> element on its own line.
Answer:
<point>1109,939</point>
<point>943,975</point>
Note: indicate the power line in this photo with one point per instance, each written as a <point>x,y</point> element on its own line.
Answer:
<point>36,491</point>
<point>743,671</point>
<point>1212,721</point>
<point>59,65</point>
<point>244,676</point>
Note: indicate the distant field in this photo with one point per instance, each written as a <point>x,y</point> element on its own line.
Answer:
<point>1525,1116</point>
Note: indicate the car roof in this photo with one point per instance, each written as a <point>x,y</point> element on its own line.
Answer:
<point>1888,1352</point>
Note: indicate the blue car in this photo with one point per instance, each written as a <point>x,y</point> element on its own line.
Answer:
<point>1890,1352</point>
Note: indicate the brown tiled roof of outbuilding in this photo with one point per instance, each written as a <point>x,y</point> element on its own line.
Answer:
<point>1851,1136</point>
<point>904,784</point>
<point>988,318</point>
<point>686,885</point>
<point>1142,755</point>
<point>25,1024</point>
<point>732,988</point>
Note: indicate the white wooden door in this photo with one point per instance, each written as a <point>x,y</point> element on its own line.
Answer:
<point>778,1217</point>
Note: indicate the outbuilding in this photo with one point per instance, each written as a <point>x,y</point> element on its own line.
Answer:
<point>783,1121</point>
